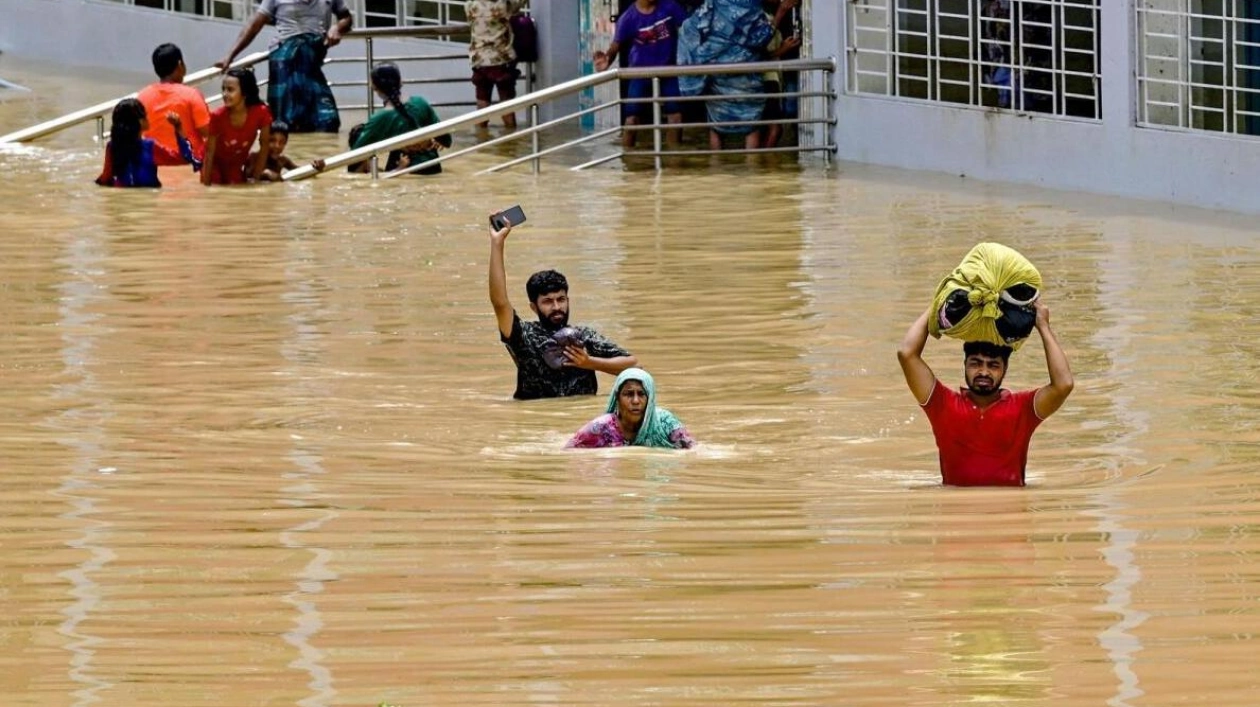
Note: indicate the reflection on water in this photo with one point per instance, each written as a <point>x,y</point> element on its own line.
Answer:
<point>78,430</point>
<point>262,448</point>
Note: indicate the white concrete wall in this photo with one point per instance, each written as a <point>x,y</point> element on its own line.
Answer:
<point>1110,157</point>
<point>122,38</point>
<point>559,60</point>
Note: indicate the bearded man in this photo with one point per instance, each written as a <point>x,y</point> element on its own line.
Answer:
<point>585,351</point>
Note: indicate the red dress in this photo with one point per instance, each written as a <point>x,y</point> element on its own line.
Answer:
<point>233,144</point>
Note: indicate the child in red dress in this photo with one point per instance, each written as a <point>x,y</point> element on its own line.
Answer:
<point>234,127</point>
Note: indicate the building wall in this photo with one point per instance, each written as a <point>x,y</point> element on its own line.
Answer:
<point>1111,156</point>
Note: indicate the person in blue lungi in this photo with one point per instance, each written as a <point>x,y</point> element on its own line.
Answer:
<point>297,91</point>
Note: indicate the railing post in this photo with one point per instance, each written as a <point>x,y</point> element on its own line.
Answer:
<point>830,113</point>
<point>656,120</point>
<point>100,129</point>
<point>536,165</point>
<point>376,170</point>
<point>371,95</point>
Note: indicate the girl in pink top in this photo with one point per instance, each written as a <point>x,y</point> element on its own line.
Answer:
<point>234,127</point>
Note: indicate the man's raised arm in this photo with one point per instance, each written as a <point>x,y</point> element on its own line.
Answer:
<point>503,311</point>
<point>918,374</point>
<point>1050,397</point>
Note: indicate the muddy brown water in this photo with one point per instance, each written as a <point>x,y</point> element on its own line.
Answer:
<point>260,448</point>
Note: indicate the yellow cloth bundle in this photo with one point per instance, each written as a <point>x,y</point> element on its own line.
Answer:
<point>988,297</point>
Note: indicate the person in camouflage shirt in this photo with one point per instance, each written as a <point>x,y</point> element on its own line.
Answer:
<point>526,341</point>
<point>490,49</point>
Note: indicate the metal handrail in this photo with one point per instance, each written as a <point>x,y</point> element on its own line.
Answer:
<point>100,110</point>
<point>560,90</point>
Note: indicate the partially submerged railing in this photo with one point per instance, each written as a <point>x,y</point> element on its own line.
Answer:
<point>530,103</point>
<point>99,111</point>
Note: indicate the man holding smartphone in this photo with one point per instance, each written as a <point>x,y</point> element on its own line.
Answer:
<point>548,293</point>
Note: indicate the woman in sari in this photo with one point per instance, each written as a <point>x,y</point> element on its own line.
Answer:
<point>297,91</point>
<point>633,418</point>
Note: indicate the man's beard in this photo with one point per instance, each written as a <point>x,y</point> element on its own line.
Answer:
<point>557,324</point>
<point>989,390</point>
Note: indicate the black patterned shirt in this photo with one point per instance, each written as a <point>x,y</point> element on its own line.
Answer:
<point>535,379</point>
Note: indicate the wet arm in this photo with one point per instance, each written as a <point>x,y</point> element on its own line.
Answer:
<point>247,35</point>
<point>919,376</point>
<point>260,160</point>
<point>208,168</point>
<point>613,366</point>
<point>185,148</point>
<point>503,311</point>
<point>1050,398</point>
<point>600,354</point>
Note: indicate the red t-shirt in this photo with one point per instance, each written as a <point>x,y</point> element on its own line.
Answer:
<point>982,447</point>
<point>232,144</point>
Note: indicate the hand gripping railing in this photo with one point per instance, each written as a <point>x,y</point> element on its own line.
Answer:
<point>100,110</point>
<point>531,101</point>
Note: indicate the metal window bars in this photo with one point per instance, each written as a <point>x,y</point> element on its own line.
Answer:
<point>1034,56</point>
<point>1199,65</point>
<point>402,13</point>
<point>220,9</point>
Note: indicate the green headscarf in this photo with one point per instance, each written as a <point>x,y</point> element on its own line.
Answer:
<point>658,422</point>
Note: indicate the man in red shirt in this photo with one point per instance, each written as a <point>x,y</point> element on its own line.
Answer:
<point>982,431</point>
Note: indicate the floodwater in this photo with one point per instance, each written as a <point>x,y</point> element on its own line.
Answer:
<point>260,448</point>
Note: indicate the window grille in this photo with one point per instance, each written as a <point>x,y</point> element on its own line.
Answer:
<point>401,13</point>
<point>1199,65</point>
<point>1034,56</point>
<point>220,9</point>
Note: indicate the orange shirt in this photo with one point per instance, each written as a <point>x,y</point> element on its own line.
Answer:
<point>186,102</point>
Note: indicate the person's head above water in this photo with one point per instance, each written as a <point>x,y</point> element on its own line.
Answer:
<point>127,123</point>
<point>240,86</point>
<point>168,63</point>
<point>387,81</point>
<point>633,401</point>
<point>279,137</point>
<point>984,366</point>
<point>548,293</point>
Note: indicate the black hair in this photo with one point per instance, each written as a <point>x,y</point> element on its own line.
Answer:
<point>249,85</point>
<point>166,59</point>
<point>279,127</point>
<point>985,348</point>
<point>124,134</point>
<point>544,282</point>
<point>387,79</point>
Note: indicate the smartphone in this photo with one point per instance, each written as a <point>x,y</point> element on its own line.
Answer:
<point>514,216</point>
